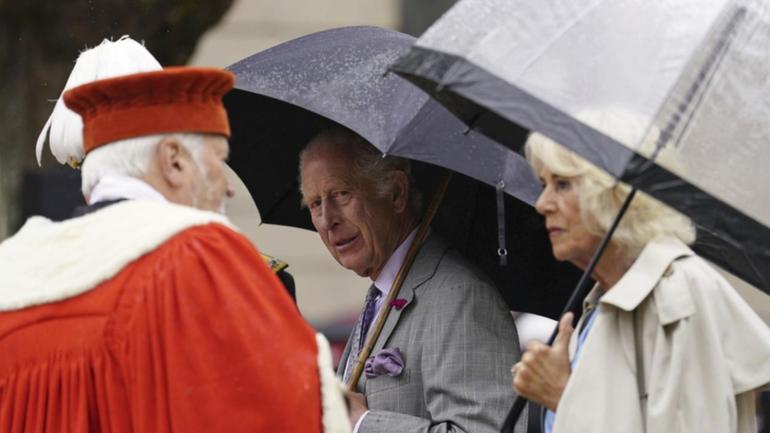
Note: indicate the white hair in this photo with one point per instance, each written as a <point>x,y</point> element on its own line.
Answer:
<point>107,60</point>
<point>131,157</point>
<point>600,196</point>
<point>367,163</point>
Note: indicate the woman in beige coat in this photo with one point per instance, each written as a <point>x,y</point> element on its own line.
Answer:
<point>665,343</point>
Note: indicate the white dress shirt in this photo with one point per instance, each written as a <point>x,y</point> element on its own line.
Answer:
<point>115,187</point>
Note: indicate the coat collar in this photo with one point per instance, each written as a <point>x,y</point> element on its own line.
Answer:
<point>637,283</point>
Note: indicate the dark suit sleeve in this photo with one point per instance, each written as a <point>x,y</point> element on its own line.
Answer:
<point>288,282</point>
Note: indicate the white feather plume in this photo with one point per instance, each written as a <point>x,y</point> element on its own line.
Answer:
<point>106,60</point>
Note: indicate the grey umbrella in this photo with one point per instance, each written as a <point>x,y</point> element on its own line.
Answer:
<point>692,72</point>
<point>342,75</point>
<point>286,94</point>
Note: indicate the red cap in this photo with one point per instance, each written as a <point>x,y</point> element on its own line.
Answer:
<point>177,99</point>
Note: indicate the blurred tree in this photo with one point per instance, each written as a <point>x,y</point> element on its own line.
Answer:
<point>39,41</point>
<point>417,16</point>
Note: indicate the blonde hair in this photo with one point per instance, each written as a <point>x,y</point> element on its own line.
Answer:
<point>600,196</point>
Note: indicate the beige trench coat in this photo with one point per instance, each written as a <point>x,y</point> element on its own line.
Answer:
<point>704,349</point>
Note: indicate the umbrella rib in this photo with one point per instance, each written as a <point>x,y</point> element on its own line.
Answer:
<point>693,97</point>
<point>558,36</point>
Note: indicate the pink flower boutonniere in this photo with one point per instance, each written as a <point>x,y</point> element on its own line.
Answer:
<point>399,303</point>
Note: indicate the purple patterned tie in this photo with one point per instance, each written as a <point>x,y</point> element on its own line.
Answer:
<point>359,334</point>
<point>370,311</point>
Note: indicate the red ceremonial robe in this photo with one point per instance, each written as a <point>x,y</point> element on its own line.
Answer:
<point>197,335</point>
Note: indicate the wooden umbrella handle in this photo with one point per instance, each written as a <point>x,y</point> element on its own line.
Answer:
<point>376,329</point>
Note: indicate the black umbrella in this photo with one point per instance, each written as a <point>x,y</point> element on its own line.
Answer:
<point>288,93</point>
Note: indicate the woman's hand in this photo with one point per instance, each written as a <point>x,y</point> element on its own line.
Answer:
<point>543,371</point>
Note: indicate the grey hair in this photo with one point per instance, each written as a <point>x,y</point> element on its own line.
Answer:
<point>369,164</point>
<point>600,196</point>
<point>131,157</point>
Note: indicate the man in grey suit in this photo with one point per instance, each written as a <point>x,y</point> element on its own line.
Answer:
<point>449,328</point>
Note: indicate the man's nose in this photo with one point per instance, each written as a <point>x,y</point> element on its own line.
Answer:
<point>328,217</point>
<point>230,192</point>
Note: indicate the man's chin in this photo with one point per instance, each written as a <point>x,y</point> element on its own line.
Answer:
<point>365,273</point>
<point>359,270</point>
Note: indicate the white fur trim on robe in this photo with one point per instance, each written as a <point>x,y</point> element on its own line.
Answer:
<point>51,261</point>
<point>334,410</point>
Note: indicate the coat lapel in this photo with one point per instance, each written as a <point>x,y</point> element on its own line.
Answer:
<point>423,268</point>
<point>639,281</point>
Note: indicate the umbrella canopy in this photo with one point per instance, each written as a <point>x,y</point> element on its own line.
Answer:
<point>693,73</point>
<point>287,94</point>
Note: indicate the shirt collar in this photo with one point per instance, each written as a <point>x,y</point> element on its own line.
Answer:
<point>113,187</point>
<point>644,274</point>
<point>387,276</point>
<point>592,299</point>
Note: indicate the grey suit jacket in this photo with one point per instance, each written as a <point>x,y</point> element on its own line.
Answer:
<point>458,341</point>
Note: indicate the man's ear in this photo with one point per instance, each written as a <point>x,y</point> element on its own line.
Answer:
<point>174,162</point>
<point>400,191</point>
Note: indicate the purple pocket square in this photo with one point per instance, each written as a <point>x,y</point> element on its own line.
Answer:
<point>387,361</point>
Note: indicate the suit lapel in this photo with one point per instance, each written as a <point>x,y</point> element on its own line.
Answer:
<point>423,267</point>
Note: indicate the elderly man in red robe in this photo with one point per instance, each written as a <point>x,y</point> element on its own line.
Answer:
<point>150,313</point>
